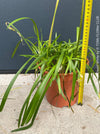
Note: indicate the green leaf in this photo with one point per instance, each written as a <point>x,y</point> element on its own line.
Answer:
<point>77,33</point>
<point>12,27</point>
<point>36,101</point>
<point>70,65</point>
<point>94,86</point>
<point>67,69</point>
<point>52,25</point>
<point>58,64</point>
<point>90,71</point>
<point>36,105</point>
<point>59,87</point>
<point>27,56</point>
<point>93,56</point>
<point>80,29</point>
<point>15,49</point>
<point>34,49</point>
<point>34,62</point>
<point>11,84</point>
<point>73,85</point>
<point>26,103</point>
<point>26,18</point>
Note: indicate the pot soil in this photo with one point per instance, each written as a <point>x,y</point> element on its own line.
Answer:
<point>57,100</point>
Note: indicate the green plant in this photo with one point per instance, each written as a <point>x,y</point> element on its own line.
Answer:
<point>54,57</point>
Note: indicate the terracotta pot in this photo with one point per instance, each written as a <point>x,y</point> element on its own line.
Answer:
<point>57,100</point>
<point>52,93</point>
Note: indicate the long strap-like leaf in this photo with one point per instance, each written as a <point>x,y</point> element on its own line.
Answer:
<point>81,20</point>
<point>52,25</point>
<point>39,95</point>
<point>11,84</point>
<point>37,99</point>
<point>37,81</point>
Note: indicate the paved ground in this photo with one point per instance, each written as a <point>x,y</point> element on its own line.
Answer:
<point>50,120</point>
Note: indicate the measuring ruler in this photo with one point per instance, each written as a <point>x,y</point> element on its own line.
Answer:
<point>86,31</point>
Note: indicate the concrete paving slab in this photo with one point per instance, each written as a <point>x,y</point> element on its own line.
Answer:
<point>50,120</point>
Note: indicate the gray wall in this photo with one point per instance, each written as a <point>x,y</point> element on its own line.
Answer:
<point>67,19</point>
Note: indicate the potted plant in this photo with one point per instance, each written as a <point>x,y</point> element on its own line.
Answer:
<point>54,62</point>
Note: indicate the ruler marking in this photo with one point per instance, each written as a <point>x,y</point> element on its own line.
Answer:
<point>86,30</point>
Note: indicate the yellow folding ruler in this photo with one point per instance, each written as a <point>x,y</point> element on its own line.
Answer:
<point>86,31</point>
